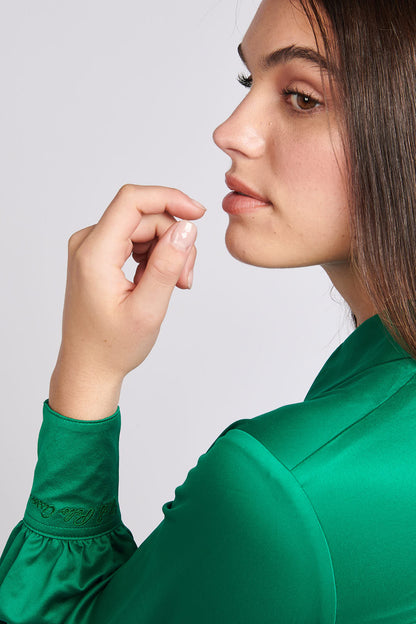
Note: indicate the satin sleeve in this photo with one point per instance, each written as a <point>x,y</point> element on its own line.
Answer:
<point>240,542</point>
<point>71,539</point>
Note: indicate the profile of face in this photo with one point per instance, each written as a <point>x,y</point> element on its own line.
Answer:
<point>285,147</point>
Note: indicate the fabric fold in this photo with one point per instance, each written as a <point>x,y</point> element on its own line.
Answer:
<point>50,580</point>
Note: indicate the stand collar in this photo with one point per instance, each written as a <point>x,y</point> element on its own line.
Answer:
<point>369,345</point>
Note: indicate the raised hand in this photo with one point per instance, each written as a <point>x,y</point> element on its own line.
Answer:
<point>110,324</point>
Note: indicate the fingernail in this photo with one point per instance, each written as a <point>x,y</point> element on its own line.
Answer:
<point>183,235</point>
<point>198,205</point>
<point>190,278</point>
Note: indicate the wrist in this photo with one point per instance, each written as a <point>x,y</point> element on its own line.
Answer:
<point>83,393</point>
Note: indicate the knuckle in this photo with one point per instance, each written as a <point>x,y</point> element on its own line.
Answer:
<point>127,190</point>
<point>77,238</point>
<point>74,241</point>
<point>81,256</point>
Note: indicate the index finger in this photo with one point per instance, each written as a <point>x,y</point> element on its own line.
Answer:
<point>122,217</point>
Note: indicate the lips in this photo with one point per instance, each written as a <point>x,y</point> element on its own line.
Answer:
<point>242,199</point>
<point>239,187</point>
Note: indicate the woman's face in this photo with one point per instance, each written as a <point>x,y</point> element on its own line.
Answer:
<point>285,146</point>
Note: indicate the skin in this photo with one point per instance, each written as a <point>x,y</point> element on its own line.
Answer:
<point>109,323</point>
<point>289,156</point>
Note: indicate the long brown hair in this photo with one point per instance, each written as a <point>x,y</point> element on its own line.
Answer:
<point>372,45</point>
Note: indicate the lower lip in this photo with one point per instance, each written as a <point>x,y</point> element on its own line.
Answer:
<point>235,204</point>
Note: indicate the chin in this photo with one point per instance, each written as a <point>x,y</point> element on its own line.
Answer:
<point>245,251</point>
<point>261,249</point>
<point>256,251</point>
<point>238,250</point>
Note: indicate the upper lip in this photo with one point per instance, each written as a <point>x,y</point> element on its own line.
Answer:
<point>239,187</point>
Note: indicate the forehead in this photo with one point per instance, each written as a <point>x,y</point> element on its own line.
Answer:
<point>277,24</point>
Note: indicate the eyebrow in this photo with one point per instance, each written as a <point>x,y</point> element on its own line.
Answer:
<point>290,53</point>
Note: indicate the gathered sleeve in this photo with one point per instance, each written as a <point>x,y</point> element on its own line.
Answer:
<point>239,543</point>
<point>71,540</point>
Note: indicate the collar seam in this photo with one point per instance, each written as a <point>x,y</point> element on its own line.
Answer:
<point>322,393</point>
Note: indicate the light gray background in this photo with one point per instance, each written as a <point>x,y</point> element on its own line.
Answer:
<point>95,94</point>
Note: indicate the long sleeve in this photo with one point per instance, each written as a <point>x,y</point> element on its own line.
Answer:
<point>239,543</point>
<point>303,515</point>
<point>71,540</point>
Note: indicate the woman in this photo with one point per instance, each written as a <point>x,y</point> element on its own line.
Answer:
<point>305,514</point>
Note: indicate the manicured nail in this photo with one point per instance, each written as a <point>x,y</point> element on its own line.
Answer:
<point>190,278</point>
<point>198,205</point>
<point>183,235</point>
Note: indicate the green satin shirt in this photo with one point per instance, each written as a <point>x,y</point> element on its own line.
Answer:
<point>306,514</point>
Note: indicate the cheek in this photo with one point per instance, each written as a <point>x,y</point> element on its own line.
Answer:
<point>309,168</point>
<point>316,200</point>
<point>309,223</point>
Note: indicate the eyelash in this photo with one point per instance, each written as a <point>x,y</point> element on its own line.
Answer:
<point>247,82</point>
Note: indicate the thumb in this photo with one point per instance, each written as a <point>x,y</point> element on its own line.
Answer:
<point>164,267</point>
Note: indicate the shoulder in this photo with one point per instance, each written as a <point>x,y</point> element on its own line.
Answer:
<point>292,432</point>
<point>242,507</point>
<point>295,432</point>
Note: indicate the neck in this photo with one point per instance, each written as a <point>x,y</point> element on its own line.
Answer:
<point>348,284</point>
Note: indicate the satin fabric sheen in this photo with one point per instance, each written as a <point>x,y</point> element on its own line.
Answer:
<point>305,514</point>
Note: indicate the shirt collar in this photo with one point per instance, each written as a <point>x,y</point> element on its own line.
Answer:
<point>369,345</point>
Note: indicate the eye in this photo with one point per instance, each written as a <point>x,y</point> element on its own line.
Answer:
<point>246,81</point>
<point>301,101</point>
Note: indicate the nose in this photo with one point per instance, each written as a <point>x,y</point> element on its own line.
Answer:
<point>241,133</point>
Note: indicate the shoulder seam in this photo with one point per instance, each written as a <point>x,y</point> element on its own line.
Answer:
<point>356,421</point>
